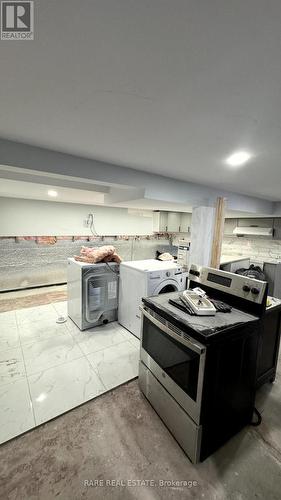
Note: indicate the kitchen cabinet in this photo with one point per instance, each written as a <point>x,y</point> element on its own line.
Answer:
<point>185,222</point>
<point>160,222</point>
<point>255,222</point>
<point>229,226</point>
<point>277,229</point>
<point>171,222</point>
<point>272,271</point>
<point>269,345</point>
<point>174,222</point>
<point>269,271</point>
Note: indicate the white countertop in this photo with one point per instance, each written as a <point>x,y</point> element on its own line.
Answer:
<point>233,258</point>
<point>226,259</point>
<point>274,302</point>
<point>271,261</point>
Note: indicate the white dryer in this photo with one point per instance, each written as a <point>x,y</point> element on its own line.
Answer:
<point>144,278</point>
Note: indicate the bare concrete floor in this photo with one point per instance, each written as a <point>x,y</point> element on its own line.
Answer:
<point>118,436</point>
<point>20,299</point>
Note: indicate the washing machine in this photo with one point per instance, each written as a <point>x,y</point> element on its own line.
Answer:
<point>144,278</point>
<point>92,293</point>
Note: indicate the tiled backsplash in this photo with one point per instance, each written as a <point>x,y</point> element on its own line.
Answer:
<point>258,249</point>
<point>26,263</point>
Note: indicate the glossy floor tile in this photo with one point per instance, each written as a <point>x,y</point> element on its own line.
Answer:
<point>8,319</point>
<point>97,338</point>
<point>129,336</point>
<point>48,353</point>
<point>38,313</point>
<point>59,389</point>
<point>33,331</point>
<point>61,308</point>
<point>16,414</point>
<point>11,365</point>
<point>48,368</point>
<point>9,335</point>
<point>116,364</point>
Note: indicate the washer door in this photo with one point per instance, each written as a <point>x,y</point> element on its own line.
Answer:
<point>166,286</point>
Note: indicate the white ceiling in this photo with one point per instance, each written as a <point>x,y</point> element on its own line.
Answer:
<point>10,188</point>
<point>35,191</point>
<point>170,87</point>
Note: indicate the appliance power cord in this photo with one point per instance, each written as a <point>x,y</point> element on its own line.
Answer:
<point>92,225</point>
<point>112,270</point>
<point>259,418</point>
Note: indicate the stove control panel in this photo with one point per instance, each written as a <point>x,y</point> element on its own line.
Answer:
<point>194,272</point>
<point>234,284</point>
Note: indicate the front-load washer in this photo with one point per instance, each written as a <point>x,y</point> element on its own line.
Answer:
<point>92,291</point>
<point>145,278</point>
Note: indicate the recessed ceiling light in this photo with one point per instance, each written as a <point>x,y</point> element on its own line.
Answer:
<point>52,193</point>
<point>238,158</point>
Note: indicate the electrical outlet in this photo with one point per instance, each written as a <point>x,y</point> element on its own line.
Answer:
<point>86,223</point>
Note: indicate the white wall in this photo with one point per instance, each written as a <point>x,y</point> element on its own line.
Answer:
<point>277,209</point>
<point>19,217</point>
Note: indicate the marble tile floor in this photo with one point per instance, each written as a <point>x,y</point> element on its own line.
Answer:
<point>47,368</point>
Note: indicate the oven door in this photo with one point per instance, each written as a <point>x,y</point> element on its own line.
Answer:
<point>175,359</point>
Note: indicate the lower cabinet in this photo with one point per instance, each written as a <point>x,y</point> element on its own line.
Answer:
<point>269,347</point>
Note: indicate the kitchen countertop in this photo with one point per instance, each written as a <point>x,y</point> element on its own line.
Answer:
<point>254,260</point>
<point>271,261</point>
<point>233,258</point>
<point>274,303</point>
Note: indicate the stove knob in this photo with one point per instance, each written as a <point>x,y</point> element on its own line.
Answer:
<point>168,274</point>
<point>246,288</point>
<point>255,291</point>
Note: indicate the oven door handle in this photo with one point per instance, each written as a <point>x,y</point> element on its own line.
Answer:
<point>183,340</point>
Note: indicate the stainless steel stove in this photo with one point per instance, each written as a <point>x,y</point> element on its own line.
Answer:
<point>198,372</point>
